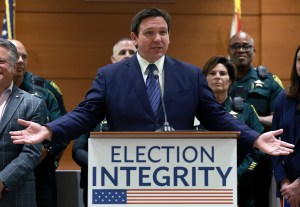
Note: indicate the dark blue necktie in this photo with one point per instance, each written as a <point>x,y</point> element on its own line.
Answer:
<point>153,88</point>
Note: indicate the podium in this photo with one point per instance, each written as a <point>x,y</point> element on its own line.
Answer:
<point>181,169</point>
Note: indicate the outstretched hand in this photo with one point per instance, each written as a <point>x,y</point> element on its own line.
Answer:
<point>33,134</point>
<point>269,144</point>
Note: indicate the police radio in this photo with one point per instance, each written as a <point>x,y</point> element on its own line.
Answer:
<point>237,103</point>
<point>262,71</point>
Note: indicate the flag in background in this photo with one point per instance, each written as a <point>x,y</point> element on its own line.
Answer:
<point>8,30</point>
<point>236,21</point>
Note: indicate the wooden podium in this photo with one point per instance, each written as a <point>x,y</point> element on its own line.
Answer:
<point>182,168</point>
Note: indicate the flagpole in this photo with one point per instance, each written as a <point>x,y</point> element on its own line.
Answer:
<point>236,20</point>
<point>8,27</point>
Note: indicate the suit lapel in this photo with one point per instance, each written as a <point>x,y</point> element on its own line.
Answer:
<point>170,80</point>
<point>13,102</point>
<point>136,79</point>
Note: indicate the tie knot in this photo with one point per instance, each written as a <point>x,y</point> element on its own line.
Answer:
<point>151,68</point>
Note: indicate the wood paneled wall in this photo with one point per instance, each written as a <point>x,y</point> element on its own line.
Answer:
<point>68,40</point>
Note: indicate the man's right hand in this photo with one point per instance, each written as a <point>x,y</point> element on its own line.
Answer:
<point>33,134</point>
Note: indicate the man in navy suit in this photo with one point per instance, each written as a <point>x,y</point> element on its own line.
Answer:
<point>119,93</point>
<point>122,50</point>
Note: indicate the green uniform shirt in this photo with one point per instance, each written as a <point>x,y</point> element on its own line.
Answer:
<point>52,106</point>
<point>247,115</point>
<point>49,85</point>
<point>51,103</point>
<point>261,92</point>
<point>245,162</point>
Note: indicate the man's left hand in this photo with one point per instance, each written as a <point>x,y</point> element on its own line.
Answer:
<point>269,144</point>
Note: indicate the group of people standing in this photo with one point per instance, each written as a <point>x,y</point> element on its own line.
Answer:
<point>257,98</point>
<point>27,172</point>
<point>225,96</point>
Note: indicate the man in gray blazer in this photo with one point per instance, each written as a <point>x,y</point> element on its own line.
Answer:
<point>17,162</point>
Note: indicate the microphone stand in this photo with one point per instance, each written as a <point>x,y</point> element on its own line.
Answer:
<point>166,126</point>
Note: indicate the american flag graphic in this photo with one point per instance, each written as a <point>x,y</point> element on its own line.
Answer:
<point>163,196</point>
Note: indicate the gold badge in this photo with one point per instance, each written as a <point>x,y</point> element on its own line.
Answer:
<point>258,83</point>
<point>233,113</point>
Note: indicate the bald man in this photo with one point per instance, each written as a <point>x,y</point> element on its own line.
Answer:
<point>123,49</point>
<point>253,83</point>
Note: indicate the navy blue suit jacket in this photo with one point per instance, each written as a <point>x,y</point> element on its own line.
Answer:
<point>119,93</point>
<point>284,117</point>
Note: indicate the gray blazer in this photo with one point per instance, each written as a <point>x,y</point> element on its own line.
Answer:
<point>17,162</point>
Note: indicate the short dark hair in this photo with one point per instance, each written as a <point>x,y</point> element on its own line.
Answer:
<point>214,61</point>
<point>294,90</point>
<point>149,12</point>
<point>12,50</point>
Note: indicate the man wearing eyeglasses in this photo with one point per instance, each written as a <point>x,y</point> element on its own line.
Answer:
<point>260,89</point>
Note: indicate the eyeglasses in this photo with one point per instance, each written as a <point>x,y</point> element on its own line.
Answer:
<point>237,47</point>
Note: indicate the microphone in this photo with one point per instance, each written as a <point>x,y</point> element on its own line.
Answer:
<point>166,126</point>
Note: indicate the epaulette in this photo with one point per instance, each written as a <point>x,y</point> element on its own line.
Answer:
<point>38,81</point>
<point>277,80</point>
<point>263,72</point>
<point>38,92</point>
<point>237,103</point>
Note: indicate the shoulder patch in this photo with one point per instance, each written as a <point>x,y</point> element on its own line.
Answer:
<point>277,80</point>
<point>55,86</point>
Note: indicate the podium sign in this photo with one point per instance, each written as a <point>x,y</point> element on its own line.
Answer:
<point>162,168</point>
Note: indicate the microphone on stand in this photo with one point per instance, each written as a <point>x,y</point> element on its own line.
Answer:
<point>166,126</point>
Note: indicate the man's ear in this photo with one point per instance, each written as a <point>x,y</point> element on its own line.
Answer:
<point>112,58</point>
<point>254,52</point>
<point>228,50</point>
<point>133,38</point>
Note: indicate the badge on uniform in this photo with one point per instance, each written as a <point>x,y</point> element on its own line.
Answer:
<point>233,113</point>
<point>258,83</point>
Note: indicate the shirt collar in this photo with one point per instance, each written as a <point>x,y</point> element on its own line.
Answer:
<point>9,89</point>
<point>144,63</point>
